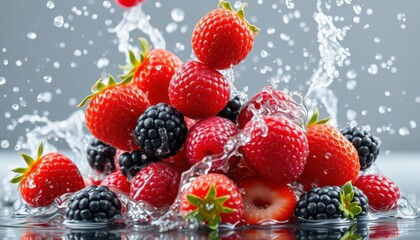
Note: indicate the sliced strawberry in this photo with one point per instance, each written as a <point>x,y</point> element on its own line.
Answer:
<point>265,201</point>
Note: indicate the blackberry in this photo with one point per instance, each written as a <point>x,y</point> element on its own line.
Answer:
<point>324,203</point>
<point>160,131</point>
<point>131,163</point>
<point>367,145</point>
<point>93,204</point>
<point>101,156</point>
<point>231,110</point>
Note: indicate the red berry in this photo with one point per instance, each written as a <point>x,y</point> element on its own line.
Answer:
<point>198,91</point>
<point>116,157</point>
<point>157,184</point>
<point>223,38</point>
<point>209,137</point>
<point>47,177</point>
<point>128,3</point>
<point>116,179</point>
<point>112,114</point>
<point>383,194</point>
<point>213,198</point>
<point>280,156</point>
<point>264,200</point>
<point>240,171</point>
<point>273,100</point>
<point>332,159</point>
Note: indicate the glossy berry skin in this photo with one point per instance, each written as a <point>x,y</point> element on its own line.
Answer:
<point>128,3</point>
<point>271,99</point>
<point>93,204</point>
<point>280,156</point>
<point>131,162</point>
<point>157,184</point>
<point>198,91</point>
<point>265,200</point>
<point>160,131</point>
<point>112,115</point>
<point>49,177</point>
<point>231,109</point>
<point>367,145</point>
<point>117,180</point>
<point>224,187</point>
<point>221,39</point>
<point>383,193</point>
<point>209,137</point>
<point>154,74</point>
<point>101,156</point>
<point>332,159</point>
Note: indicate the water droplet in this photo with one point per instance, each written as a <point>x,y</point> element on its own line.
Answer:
<point>158,4</point>
<point>47,79</point>
<point>356,19</point>
<point>15,89</point>
<point>179,46</point>
<point>3,49</point>
<point>271,30</point>
<point>378,56</point>
<point>403,26</point>
<point>351,74</point>
<point>31,35</point>
<point>77,53</point>
<point>50,4</point>
<point>171,27</point>
<point>106,4</point>
<point>369,11</point>
<point>72,102</point>
<point>351,115</point>
<point>393,70</point>
<point>7,114</point>
<point>177,15</point>
<point>56,64</point>
<point>5,62</point>
<point>158,67</point>
<point>264,54</point>
<point>289,4</point>
<point>377,40</point>
<point>403,131</point>
<point>364,112</point>
<point>15,107</point>
<point>59,21</point>
<point>387,93</point>
<point>351,84</point>
<point>366,26</point>
<point>373,69</point>
<point>4,144</point>
<point>413,124</point>
<point>357,9</point>
<point>18,63</point>
<point>417,99</point>
<point>382,109</point>
<point>2,80</point>
<point>102,62</point>
<point>401,17</point>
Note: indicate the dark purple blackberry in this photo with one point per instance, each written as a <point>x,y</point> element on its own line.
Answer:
<point>94,204</point>
<point>131,163</point>
<point>324,203</point>
<point>367,145</point>
<point>101,156</point>
<point>160,131</point>
<point>231,110</point>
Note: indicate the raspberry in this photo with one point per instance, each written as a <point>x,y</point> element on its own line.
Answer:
<point>231,109</point>
<point>198,91</point>
<point>101,156</point>
<point>160,131</point>
<point>383,194</point>
<point>131,163</point>
<point>116,179</point>
<point>367,145</point>
<point>209,137</point>
<point>157,184</point>
<point>93,204</point>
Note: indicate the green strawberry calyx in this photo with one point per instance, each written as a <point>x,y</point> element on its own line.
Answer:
<point>100,86</point>
<point>240,13</point>
<point>314,119</point>
<point>21,172</point>
<point>349,207</point>
<point>209,208</point>
<point>135,63</point>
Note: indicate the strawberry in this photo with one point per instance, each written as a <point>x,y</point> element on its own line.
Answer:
<point>272,100</point>
<point>332,159</point>
<point>113,111</point>
<point>223,37</point>
<point>128,3</point>
<point>383,193</point>
<point>116,179</point>
<point>47,177</point>
<point>280,156</point>
<point>198,91</point>
<point>264,200</point>
<point>213,198</point>
<point>157,184</point>
<point>152,72</point>
<point>209,137</point>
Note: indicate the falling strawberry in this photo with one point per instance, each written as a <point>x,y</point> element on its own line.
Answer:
<point>47,177</point>
<point>223,37</point>
<point>152,72</point>
<point>213,198</point>
<point>113,111</point>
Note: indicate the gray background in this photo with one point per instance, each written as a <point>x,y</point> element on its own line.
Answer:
<point>76,74</point>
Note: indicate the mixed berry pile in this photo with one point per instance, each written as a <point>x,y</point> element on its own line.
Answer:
<point>165,116</point>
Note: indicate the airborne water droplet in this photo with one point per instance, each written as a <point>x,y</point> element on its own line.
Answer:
<point>171,27</point>
<point>413,124</point>
<point>351,84</point>
<point>357,9</point>
<point>47,79</point>
<point>4,143</point>
<point>15,107</point>
<point>351,74</point>
<point>373,69</point>
<point>177,15</point>
<point>2,80</point>
<point>31,35</point>
<point>18,63</point>
<point>102,62</point>
<point>50,4</point>
<point>59,21</point>
<point>403,131</point>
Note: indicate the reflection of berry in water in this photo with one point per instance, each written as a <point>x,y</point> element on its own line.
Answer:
<point>161,130</point>
<point>82,235</point>
<point>101,156</point>
<point>384,230</point>
<point>358,231</point>
<point>131,163</point>
<point>93,204</point>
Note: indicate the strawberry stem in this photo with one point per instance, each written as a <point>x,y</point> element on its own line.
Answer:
<point>21,172</point>
<point>240,13</point>
<point>135,63</point>
<point>314,119</point>
<point>349,207</point>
